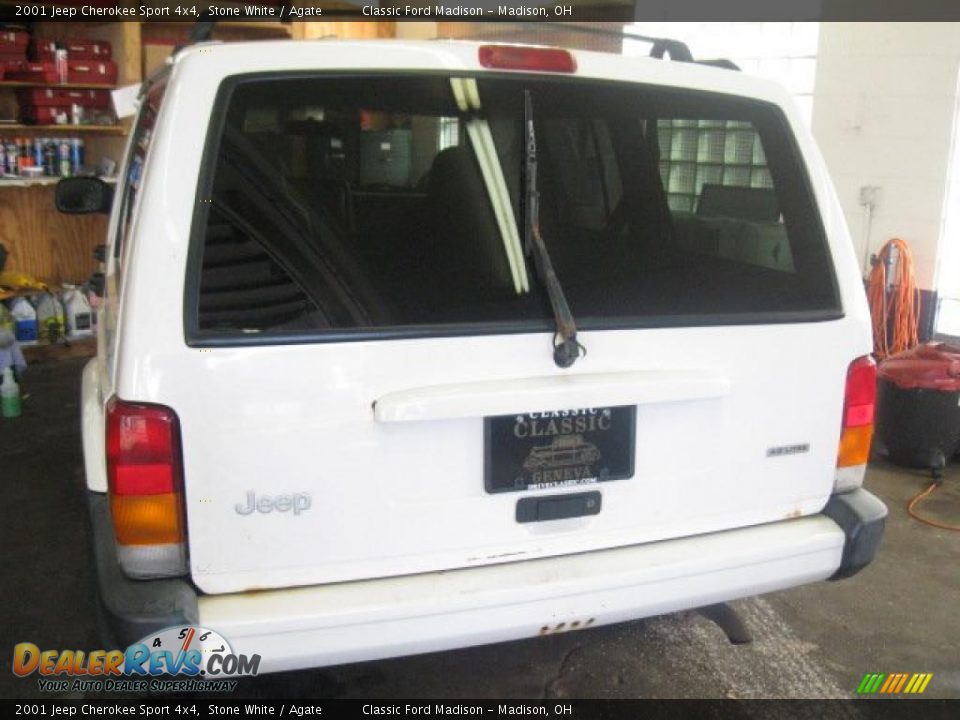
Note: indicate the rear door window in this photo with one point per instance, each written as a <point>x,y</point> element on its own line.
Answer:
<point>345,207</point>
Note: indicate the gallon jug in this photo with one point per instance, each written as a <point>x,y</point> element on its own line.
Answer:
<point>49,319</point>
<point>24,321</point>
<point>79,315</point>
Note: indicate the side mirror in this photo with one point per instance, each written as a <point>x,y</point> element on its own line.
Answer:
<point>98,283</point>
<point>83,195</point>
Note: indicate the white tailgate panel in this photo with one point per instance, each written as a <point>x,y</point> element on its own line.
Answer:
<point>395,498</point>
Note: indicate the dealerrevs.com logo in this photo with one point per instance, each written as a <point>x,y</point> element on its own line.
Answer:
<point>179,658</point>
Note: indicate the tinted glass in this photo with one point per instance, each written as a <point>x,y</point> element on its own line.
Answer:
<point>352,204</point>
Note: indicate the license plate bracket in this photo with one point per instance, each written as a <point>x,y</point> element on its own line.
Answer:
<point>544,450</point>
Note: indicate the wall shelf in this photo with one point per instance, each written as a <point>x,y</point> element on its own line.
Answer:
<point>63,129</point>
<point>47,352</point>
<point>58,86</point>
<point>21,182</point>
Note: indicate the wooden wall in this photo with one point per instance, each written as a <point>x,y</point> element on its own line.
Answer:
<point>346,30</point>
<point>53,247</point>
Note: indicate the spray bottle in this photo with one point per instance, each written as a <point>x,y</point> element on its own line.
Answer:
<point>50,320</point>
<point>9,395</point>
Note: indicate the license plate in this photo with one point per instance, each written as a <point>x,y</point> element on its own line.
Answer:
<point>542,450</point>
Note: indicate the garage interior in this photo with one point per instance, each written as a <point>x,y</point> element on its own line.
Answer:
<point>882,100</point>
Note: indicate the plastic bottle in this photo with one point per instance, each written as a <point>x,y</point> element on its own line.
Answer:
<point>60,63</point>
<point>24,321</point>
<point>50,320</point>
<point>78,313</point>
<point>10,395</point>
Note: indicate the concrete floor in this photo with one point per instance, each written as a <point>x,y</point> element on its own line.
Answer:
<point>902,614</point>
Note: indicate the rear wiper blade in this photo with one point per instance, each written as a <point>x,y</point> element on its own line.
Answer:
<point>566,349</point>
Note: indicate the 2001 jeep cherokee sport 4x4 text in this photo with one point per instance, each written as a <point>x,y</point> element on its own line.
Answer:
<point>412,346</point>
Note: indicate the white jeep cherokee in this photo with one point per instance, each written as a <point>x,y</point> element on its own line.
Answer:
<point>413,346</point>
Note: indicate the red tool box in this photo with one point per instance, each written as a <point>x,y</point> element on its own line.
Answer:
<point>14,41</point>
<point>63,97</point>
<point>99,72</point>
<point>10,62</point>
<point>36,115</point>
<point>43,50</point>
<point>34,72</point>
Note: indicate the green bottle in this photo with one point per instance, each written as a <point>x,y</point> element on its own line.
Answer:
<point>9,395</point>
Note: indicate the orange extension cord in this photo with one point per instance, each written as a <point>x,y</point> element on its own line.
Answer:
<point>911,508</point>
<point>903,303</point>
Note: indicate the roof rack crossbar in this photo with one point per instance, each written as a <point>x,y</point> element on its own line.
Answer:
<point>675,49</point>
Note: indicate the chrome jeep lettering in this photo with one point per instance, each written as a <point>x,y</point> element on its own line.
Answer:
<point>297,503</point>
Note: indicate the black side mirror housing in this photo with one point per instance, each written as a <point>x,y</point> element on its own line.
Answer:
<point>83,195</point>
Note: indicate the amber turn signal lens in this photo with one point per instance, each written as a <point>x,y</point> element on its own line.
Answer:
<point>147,519</point>
<point>855,446</point>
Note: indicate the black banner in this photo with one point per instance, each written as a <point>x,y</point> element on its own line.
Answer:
<point>186,707</point>
<point>616,11</point>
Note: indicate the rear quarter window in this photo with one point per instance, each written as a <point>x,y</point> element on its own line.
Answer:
<point>350,207</point>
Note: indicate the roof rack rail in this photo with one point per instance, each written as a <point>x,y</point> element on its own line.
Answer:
<point>720,63</point>
<point>676,50</point>
<point>202,30</point>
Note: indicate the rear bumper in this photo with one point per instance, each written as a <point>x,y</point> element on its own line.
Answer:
<point>861,516</point>
<point>129,608</point>
<point>365,620</point>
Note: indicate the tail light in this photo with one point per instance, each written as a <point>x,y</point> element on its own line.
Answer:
<point>857,428</point>
<point>536,59</point>
<point>145,478</point>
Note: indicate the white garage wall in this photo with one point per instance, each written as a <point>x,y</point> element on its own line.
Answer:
<point>884,110</point>
<point>783,51</point>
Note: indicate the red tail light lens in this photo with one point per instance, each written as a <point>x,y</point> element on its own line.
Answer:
<point>144,474</point>
<point>512,57</point>
<point>861,393</point>
<point>858,407</point>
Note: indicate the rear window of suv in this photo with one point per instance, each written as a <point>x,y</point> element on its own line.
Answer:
<point>347,206</point>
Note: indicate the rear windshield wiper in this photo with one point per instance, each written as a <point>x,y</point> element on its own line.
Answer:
<point>566,349</point>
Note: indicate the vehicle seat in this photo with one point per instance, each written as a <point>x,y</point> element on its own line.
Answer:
<point>466,253</point>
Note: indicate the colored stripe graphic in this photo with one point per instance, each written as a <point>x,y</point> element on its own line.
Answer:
<point>918,683</point>
<point>903,680</point>
<point>894,683</point>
